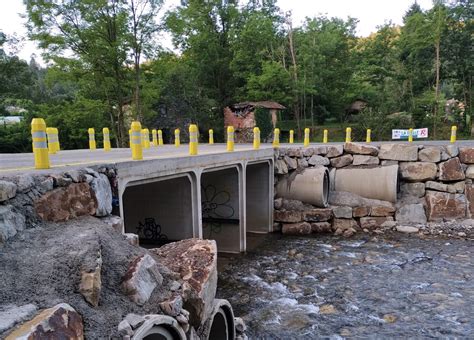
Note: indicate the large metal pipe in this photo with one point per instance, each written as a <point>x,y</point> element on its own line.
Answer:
<point>159,327</point>
<point>220,325</point>
<point>380,182</point>
<point>311,186</point>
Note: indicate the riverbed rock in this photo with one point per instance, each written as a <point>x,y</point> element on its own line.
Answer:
<point>406,229</point>
<point>466,155</point>
<point>7,190</point>
<point>345,227</point>
<point>11,222</point>
<point>429,154</point>
<point>360,211</point>
<point>381,211</point>
<point>334,151</point>
<point>280,167</point>
<point>195,261</point>
<point>291,163</point>
<point>318,215</point>
<point>62,204</point>
<point>320,227</point>
<point>365,160</point>
<point>373,222</point>
<point>361,149</point>
<point>470,172</point>
<point>416,189</point>
<point>100,185</point>
<point>451,170</point>
<point>318,160</point>
<point>342,161</point>
<point>418,171</point>
<point>342,212</point>
<point>444,205</point>
<point>398,152</point>
<point>301,228</point>
<point>141,279</point>
<point>10,315</point>
<point>288,216</point>
<point>411,213</point>
<point>59,322</point>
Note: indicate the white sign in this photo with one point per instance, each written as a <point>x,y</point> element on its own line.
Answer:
<point>403,134</point>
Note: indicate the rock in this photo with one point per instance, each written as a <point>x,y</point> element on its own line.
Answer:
<point>388,163</point>
<point>443,205</point>
<point>413,189</point>
<point>308,152</point>
<point>280,167</point>
<point>360,211</point>
<point>398,152</point>
<point>195,261</point>
<point>381,211</point>
<point>278,203</point>
<point>457,188</point>
<point>182,319</point>
<point>7,190</point>
<point>343,224</point>
<point>294,152</point>
<point>360,149</point>
<point>134,320</point>
<point>133,239</point>
<point>25,183</point>
<point>406,229</point>
<point>288,216</point>
<point>438,186</point>
<point>466,155</point>
<point>388,224</point>
<point>302,163</point>
<point>429,154</point>
<point>411,213</point>
<point>320,150</point>
<point>327,309</point>
<point>116,222</point>
<point>61,204</point>
<point>342,161</point>
<point>317,215</point>
<point>141,279</point>
<point>302,228</point>
<point>373,222</point>
<point>91,283</point>
<point>60,181</point>
<point>470,200</point>
<point>418,171</point>
<point>58,322</point>
<point>353,200</point>
<point>293,205</point>
<point>291,163</point>
<point>172,306</point>
<point>46,185</point>
<point>11,222</point>
<point>77,176</point>
<point>470,172</point>
<point>321,227</point>
<point>342,212</point>
<point>389,318</point>
<point>103,192</point>
<point>10,315</point>
<point>451,170</point>
<point>334,151</point>
<point>240,325</point>
<point>452,150</point>
<point>318,160</point>
<point>124,328</point>
<point>365,160</point>
<point>461,234</point>
<point>444,156</point>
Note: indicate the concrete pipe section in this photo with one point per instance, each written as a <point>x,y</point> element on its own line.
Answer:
<point>159,327</point>
<point>259,197</point>
<point>311,186</point>
<point>379,182</point>
<point>220,325</point>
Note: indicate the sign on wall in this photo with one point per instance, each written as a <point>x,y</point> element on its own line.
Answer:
<point>403,134</point>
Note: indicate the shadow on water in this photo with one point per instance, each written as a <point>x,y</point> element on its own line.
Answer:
<point>375,287</point>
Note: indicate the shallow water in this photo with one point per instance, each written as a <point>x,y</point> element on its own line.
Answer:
<point>366,287</point>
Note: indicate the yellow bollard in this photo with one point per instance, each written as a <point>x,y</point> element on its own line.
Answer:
<point>57,146</point>
<point>348,135</point>
<point>106,134</point>
<point>160,137</point>
<point>256,138</point>
<point>410,135</point>
<point>92,144</point>
<point>230,138</point>
<point>368,138</point>
<point>40,145</point>
<point>130,138</point>
<point>154,138</point>
<point>292,137</point>
<point>211,136</point>
<point>136,141</point>
<point>193,140</point>
<point>453,133</point>
<point>176,138</point>
<point>306,137</point>
<point>325,136</point>
<point>276,138</point>
<point>51,140</point>
<point>145,138</point>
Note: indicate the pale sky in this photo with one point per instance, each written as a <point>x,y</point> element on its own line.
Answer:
<point>370,13</point>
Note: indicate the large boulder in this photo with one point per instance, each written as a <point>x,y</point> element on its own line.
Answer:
<point>411,213</point>
<point>280,167</point>
<point>291,163</point>
<point>7,190</point>
<point>103,192</point>
<point>418,171</point>
<point>365,160</point>
<point>361,149</point>
<point>302,228</point>
<point>415,189</point>
<point>466,155</point>
<point>398,152</point>
<point>10,315</point>
<point>195,261</point>
<point>10,222</point>
<point>381,211</point>
<point>342,161</point>
<point>318,215</point>
<point>451,170</point>
<point>334,151</point>
<point>441,205</point>
<point>342,212</point>
<point>318,160</point>
<point>62,204</point>
<point>288,216</point>
<point>430,154</point>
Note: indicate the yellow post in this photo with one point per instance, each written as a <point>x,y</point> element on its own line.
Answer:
<point>106,134</point>
<point>453,133</point>
<point>51,140</point>
<point>348,135</point>
<point>130,138</point>
<point>160,137</point>
<point>176,138</point>
<point>57,146</point>
<point>410,135</point>
<point>154,137</point>
<point>368,138</point>
<point>136,141</point>
<point>92,144</point>
<point>146,138</point>
<point>256,138</point>
<point>193,140</point>
<point>40,145</point>
<point>292,137</point>
<point>211,136</point>
<point>276,138</point>
<point>230,138</point>
<point>306,137</point>
<point>325,136</point>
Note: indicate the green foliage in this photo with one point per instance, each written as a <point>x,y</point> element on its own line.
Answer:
<point>264,123</point>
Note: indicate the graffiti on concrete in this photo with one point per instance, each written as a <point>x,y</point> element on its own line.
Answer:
<point>151,231</point>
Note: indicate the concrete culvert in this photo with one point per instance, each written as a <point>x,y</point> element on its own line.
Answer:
<point>309,186</point>
<point>220,325</point>
<point>159,327</point>
<point>379,182</point>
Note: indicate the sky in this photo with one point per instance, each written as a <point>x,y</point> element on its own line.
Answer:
<point>370,13</point>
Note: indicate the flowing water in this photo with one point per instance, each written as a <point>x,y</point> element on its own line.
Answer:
<point>365,287</point>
